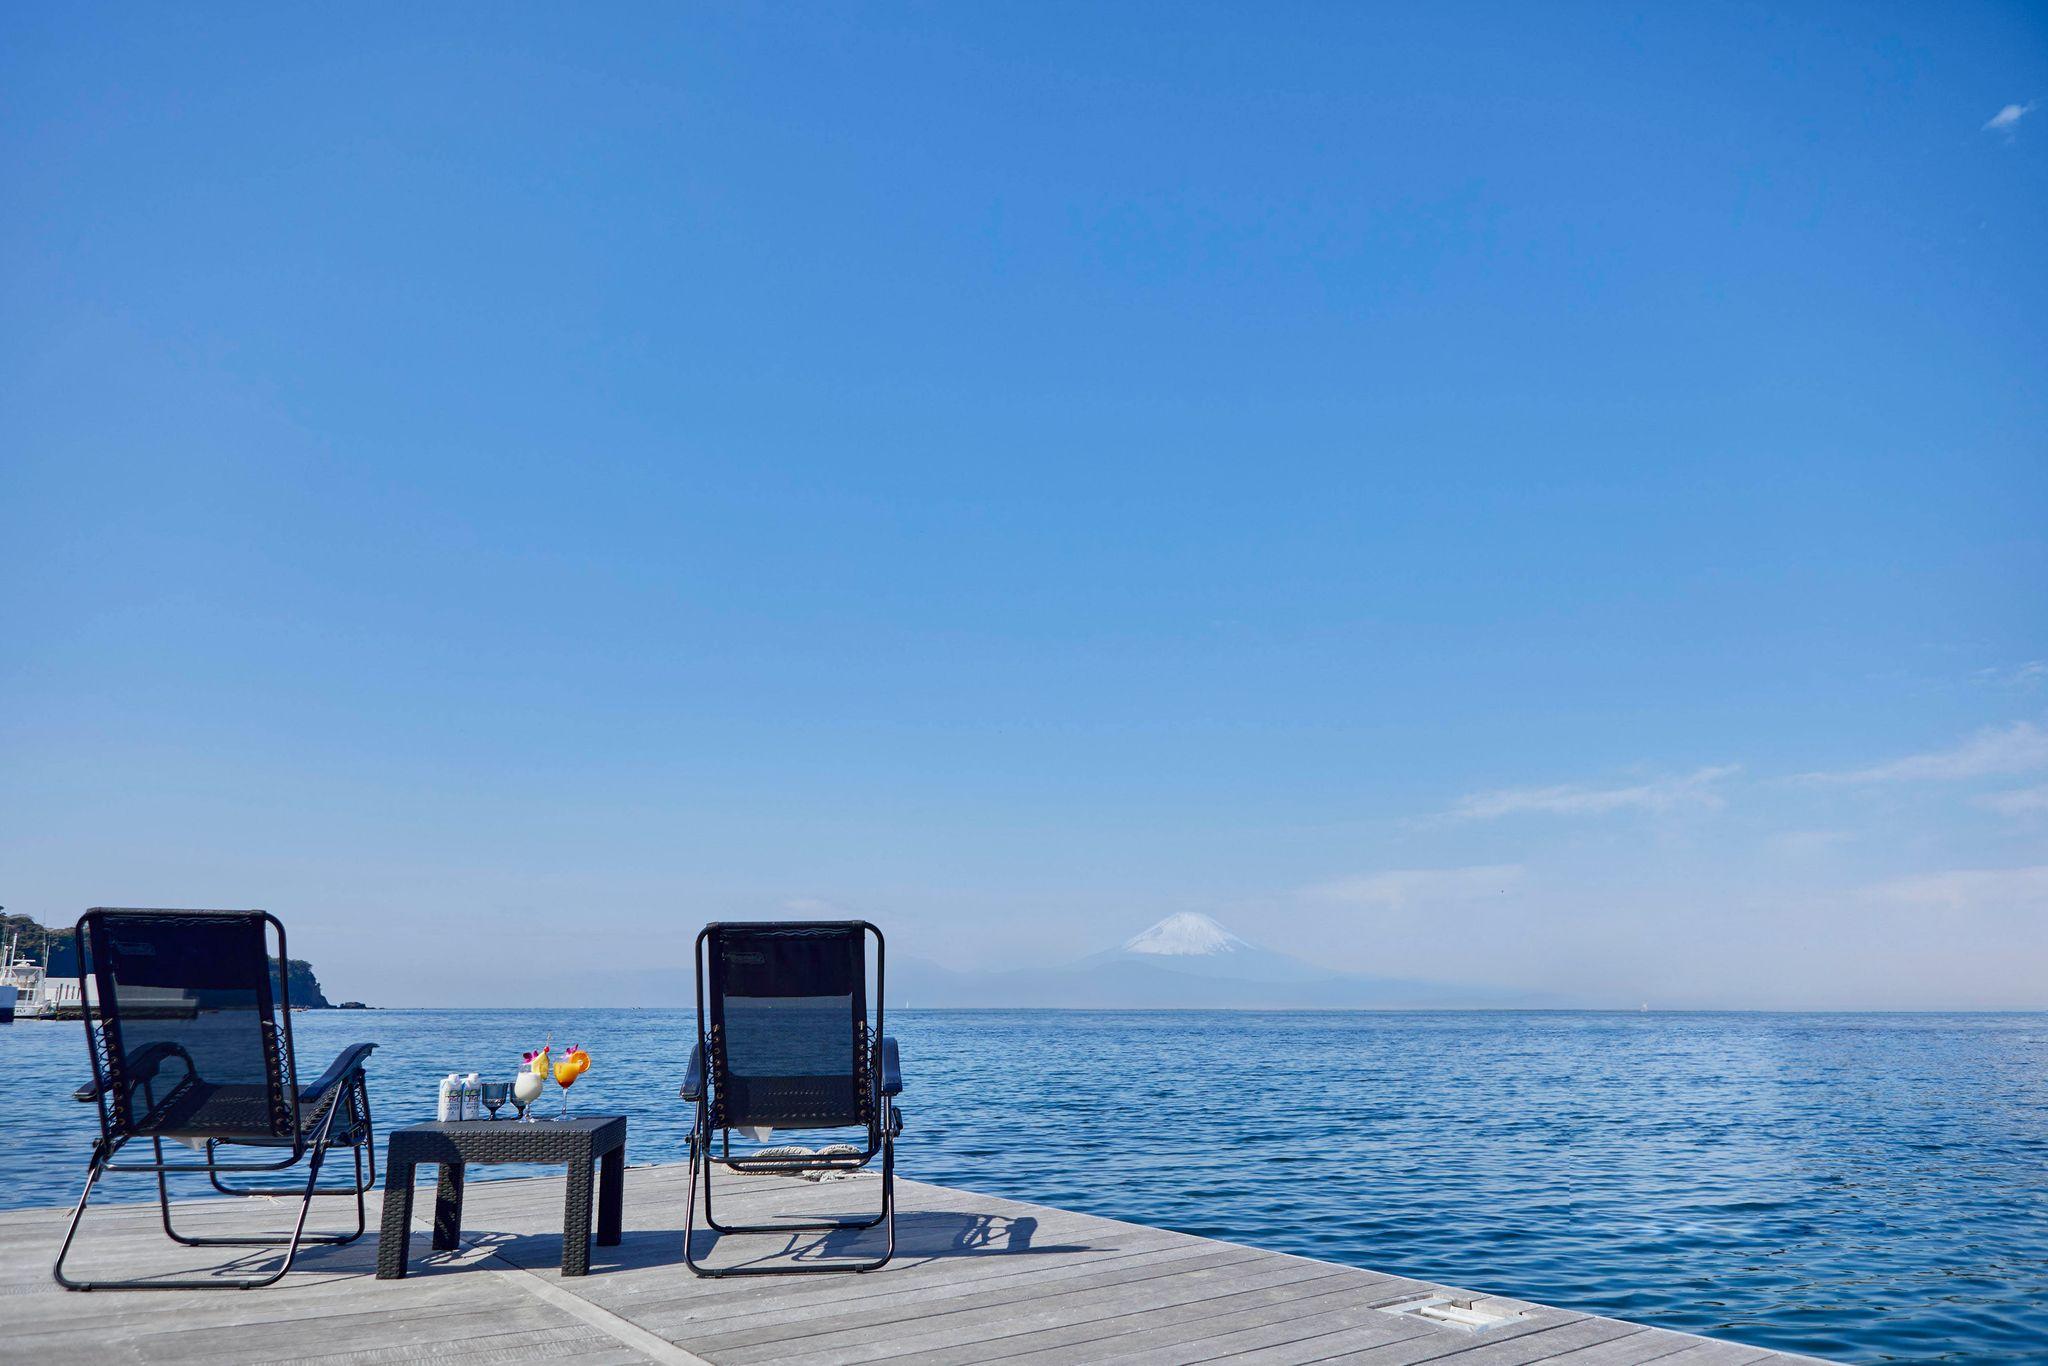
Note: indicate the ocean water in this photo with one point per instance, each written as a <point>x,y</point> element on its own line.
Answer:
<point>1863,1187</point>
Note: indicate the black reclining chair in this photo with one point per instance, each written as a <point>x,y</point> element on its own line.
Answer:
<point>783,1040</point>
<point>188,1044</point>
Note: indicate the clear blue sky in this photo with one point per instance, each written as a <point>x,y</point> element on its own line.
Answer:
<point>1540,495</point>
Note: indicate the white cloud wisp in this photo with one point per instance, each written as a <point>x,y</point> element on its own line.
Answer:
<point>1399,888</point>
<point>2008,118</point>
<point>2026,674</point>
<point>1968,889</point>
<point>2021,747</point>
<point>1694,789</point>
<point>2025,801</point>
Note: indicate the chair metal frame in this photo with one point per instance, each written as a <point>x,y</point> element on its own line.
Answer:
<point>335,1109</point>
<point>701,1085</point>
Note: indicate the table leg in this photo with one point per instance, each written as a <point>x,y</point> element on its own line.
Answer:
<point>576,1219</point>
<point>448,1208</point>
<point>394,1239</point>
<point>611,1196</point>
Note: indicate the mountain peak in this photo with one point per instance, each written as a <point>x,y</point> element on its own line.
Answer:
<point>1188,934</point>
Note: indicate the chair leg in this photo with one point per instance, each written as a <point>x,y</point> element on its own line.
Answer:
<point>356,1189</point>
<point>317,1156</point>
<point>71,1230</point>
<point>887,1214</point>
<point>689,1207</point>
<point>816,1226</point>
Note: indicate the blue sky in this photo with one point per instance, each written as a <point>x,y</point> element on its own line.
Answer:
<point>1544,496</point>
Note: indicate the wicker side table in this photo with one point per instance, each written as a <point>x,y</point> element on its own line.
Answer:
<point>577,1142</point>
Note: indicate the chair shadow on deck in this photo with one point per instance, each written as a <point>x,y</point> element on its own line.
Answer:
<point>314,1264</point>
<point>921,1236</point>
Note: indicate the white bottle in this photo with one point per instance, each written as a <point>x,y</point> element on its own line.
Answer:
<point>473,1096</point>
<point>450,1106</point>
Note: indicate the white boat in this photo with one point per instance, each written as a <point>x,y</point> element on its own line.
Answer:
<point>28,993</point>
<point>21,981</point>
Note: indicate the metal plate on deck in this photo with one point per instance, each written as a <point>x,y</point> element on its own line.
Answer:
<point>1473,1313</point>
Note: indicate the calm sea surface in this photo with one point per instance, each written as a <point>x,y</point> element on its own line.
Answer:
<point>1866,1187</point>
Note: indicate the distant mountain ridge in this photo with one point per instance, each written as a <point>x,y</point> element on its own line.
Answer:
<point>1185,961</point>
<point>1194,945</point>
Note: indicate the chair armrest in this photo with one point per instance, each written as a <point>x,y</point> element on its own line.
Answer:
<point>693,1075</point>
<point>892,1070</point>
<point>89,1091</point>
<point>345,1065</point>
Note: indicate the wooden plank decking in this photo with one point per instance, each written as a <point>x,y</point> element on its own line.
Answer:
<point>975,1279</point>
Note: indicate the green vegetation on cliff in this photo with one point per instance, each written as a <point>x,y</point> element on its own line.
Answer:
<point>59,954</point>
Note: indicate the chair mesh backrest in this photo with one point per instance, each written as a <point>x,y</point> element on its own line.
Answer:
<point>188,1029</point>
<point>789,1031</point>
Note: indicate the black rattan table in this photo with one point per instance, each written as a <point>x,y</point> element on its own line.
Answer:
<point>579,1142</point>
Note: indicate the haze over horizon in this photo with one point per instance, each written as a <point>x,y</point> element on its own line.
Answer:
<point>1547,500</point>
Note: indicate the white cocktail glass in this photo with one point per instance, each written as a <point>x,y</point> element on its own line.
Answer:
<point>526,1089</point>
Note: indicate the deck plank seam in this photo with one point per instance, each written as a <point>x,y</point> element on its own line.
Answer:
<point>1418,1329</point>
<point>1179,1323</point>
<point>1198,1298</point>
<point>622,1330</point>
<point>707,1294</point>
<point>471,1345</point>
<point>839,1325</point>
<point>1683,1342</point>
<point>1453,1348</point>
<point>873,1288</point>
<point>1630,1330</point>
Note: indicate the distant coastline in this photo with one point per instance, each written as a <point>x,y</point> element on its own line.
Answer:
<point>57,950</point>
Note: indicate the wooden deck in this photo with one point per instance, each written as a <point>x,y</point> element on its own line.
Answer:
<point>975,1279</point>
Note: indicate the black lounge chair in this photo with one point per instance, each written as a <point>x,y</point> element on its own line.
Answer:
<point>783,1040</point>
<point>188,1044</point>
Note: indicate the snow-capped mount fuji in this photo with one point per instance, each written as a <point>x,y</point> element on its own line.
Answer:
<point>1186,933</point>
<point>1191,944</point>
